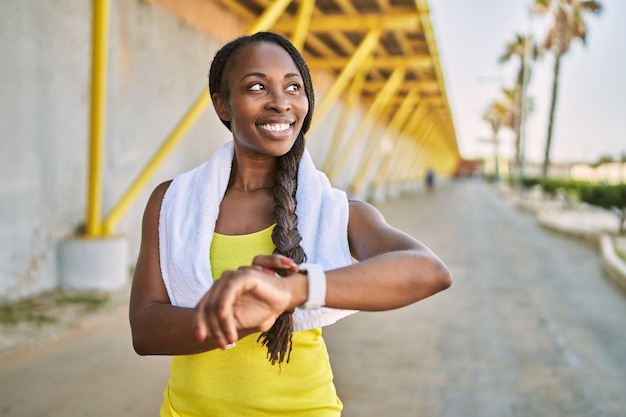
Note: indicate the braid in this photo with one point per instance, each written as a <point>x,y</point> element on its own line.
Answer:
<point>286,237</point>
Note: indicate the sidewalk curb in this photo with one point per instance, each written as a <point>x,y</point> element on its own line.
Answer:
<point>612,264</point>
<point>549,221</point>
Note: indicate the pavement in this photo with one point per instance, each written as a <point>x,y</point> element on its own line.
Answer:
<point>597,226</point>
<point>530,327</point>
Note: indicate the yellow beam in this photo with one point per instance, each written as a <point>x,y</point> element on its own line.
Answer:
<point>401,19</point>
<point>426,141</point>
<point>99,60</point>
<point>237,8</point>
<point>264,22</point>
<point>366,47</point>
<point>350,104</point>
<point>404,170</point>
<point>305,11</point>
<point>424,13</point>
<point>188,120</point>
<point>385,140</point>
<point>405,160</point>
<point>381,62</point>
<point>269,16</point>
<point>383,97</point>
<point>398,154</point>
<point>428,87</point>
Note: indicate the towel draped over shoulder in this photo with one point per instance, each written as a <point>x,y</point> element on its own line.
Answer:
<point>187,222</point>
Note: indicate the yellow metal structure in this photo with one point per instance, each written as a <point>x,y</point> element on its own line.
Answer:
<point>351,103</point>
<point>387,140</point>
<point>377,105</point>
<point>370,47</point>
<point>155,162</point>
<point>305,12</point>
<point>99,61</point>
<point>361,54</point>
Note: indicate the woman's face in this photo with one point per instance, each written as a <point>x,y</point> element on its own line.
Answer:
<point>267,102</point>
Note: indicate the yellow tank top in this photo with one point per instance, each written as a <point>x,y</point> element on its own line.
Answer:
<point>241,381</point>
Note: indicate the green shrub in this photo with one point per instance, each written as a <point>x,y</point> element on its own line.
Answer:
<point>529,182</point>
<point>611,197</point>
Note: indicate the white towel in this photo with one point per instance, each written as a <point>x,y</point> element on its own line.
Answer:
<point>187,221</point>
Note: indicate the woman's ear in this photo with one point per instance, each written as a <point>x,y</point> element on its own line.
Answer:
<point>220,107</point>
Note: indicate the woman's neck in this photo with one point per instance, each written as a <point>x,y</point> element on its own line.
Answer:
<point>252,175</point>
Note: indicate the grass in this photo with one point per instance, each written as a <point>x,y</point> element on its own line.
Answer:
<point>45,307</point>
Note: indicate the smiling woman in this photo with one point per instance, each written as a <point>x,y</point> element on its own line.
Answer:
<point>264,107</point>
<point>221,281</point>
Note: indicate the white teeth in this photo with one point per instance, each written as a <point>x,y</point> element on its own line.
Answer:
<point>275,127</point>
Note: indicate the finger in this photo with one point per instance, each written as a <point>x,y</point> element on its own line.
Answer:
<point>228,326</point>
<point>200,325</point>
<point>275,262</point>
<point>224,323</point>
<point>270,272</point>
<point>216,331</point>
<point>204,322</point>
<point>207,317</point>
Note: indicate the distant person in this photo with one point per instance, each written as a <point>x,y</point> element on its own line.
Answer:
<point>430,179</point>
<point>244,258</point>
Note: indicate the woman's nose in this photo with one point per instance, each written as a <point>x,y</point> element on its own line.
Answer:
<point>278,101</point>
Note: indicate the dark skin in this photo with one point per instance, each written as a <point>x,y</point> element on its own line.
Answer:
<point>266,107</point>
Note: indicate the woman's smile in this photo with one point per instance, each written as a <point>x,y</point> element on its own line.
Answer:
<point>277,130</point>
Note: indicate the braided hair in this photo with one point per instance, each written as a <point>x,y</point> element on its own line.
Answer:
<point>286,237</point>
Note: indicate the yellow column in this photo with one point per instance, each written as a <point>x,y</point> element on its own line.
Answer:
<point>99,60</point>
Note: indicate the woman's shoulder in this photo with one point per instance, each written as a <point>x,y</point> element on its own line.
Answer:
<point>364,211</point>
<point>364,219</point>
<point>156,198</point>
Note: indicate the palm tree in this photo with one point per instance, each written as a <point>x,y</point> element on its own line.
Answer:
<point>517,48</point>
<point>498,115</point>
<point>568,25</point>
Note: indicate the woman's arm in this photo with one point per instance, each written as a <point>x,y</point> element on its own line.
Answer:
<point>394,269</point>
<point>159,328</point>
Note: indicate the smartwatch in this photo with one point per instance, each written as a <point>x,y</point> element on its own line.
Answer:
<point>316,283</point>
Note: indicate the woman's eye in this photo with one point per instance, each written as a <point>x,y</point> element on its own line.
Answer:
<point>256,87</point>
<point>293,87</point>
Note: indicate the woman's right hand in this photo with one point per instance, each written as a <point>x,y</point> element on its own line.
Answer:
<point>244,301</point>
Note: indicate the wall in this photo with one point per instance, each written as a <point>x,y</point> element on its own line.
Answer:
<point>158,66</point>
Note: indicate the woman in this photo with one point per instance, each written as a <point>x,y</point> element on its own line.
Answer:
<point>220,281</point>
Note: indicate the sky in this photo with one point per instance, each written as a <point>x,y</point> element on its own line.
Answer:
<point>590,119</point>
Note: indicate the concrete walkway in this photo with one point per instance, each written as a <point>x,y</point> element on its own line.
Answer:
<point>531,327</point>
